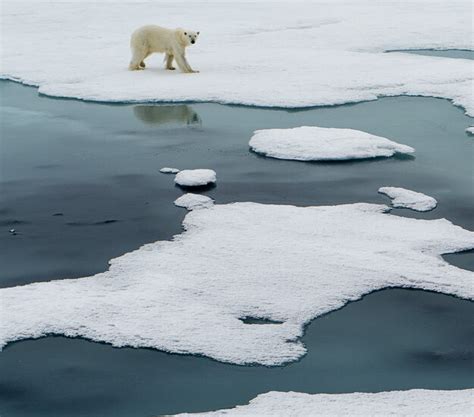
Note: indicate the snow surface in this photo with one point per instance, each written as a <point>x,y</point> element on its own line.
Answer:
<point>195,177</point>
<point>403,198</point>
<point>192,201</point>
<point>417,402</point>
<point>470,130</point>
<point>279,262</point>
<point>308,53</point>
<point>167,170</point>
<point>311,143</point>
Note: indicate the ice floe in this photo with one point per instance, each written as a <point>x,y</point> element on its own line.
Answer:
<point>470,130</point>
<point>403,198</point>
<point>416,402</point>
<point>195,177</point>
<point>277,262</point>
<point>167,170</point>
<point>192,201</point>
<point>311,143</point>
<point>307,54</point>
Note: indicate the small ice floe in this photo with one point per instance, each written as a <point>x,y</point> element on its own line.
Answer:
<point>195,177</point>
<point>403,198</point>
<point>311,143</point>
<point>12,231</point>
<point>415,402</point>
<point>192,201</point>
<point>470,130</point>
<point>167,170</point>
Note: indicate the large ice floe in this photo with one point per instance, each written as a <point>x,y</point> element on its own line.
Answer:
<point>403,198</point>
<point>306,54</point>
<point>278,262</point>
<point>417,402</point>
<point>311,143</point>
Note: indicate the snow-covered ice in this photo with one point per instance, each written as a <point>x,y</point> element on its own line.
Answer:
<point>279,262</point>
<point>311,143</point>
<point>192,201</point>
<point>416,402</point>
<point>403,198</point>
<point>307,54</point>
<point>470,130</point>
<point>195,177</point>
<point>167,170</point>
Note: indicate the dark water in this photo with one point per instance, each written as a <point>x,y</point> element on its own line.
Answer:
<point>80,182</point>
<point>445,53</point>
<point>416,339</point>
<point>80,185</point>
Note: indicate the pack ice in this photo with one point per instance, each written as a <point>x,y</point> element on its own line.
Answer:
<point>311,143</point>
<point>280,262</point>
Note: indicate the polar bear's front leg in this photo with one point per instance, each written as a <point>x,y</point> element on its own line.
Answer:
<point>169,61</point>
<point>183,63</point>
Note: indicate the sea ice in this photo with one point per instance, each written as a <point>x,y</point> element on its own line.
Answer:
<point>470,130</point>
<point>277,262</point>
<point>311,143</point>
<point>307,54</point>
<point>192,201</point>
<point>195,177</point>
<point>167,170</point>
<point>416,402</point>
<point>403,198</point>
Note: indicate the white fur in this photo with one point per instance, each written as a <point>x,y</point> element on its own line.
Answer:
<point>172,42</point>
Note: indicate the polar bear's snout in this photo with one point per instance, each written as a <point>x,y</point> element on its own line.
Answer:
<point>192,36</point>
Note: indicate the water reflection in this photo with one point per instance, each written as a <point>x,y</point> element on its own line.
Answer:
<point>159,115</point>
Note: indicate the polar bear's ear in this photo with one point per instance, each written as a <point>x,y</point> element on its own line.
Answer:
<point>198,33</point>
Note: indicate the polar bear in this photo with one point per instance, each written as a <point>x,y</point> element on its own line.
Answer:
<point>172,42</point>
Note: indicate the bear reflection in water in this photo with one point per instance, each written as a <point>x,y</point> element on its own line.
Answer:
<point>158,115</point>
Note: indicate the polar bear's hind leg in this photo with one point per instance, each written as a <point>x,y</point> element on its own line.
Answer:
<point>138,57</point>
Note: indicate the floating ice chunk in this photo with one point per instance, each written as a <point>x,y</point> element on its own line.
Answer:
<point>310,143</point>
<point>470,130</point>
<point>416,402</point>
<point>403,198</point>
<point>282,263</point>
<point>195,177</point>
<point>192,201</point>
<point>167,170</point>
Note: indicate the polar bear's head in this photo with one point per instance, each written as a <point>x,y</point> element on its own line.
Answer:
<point>188,37</point>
